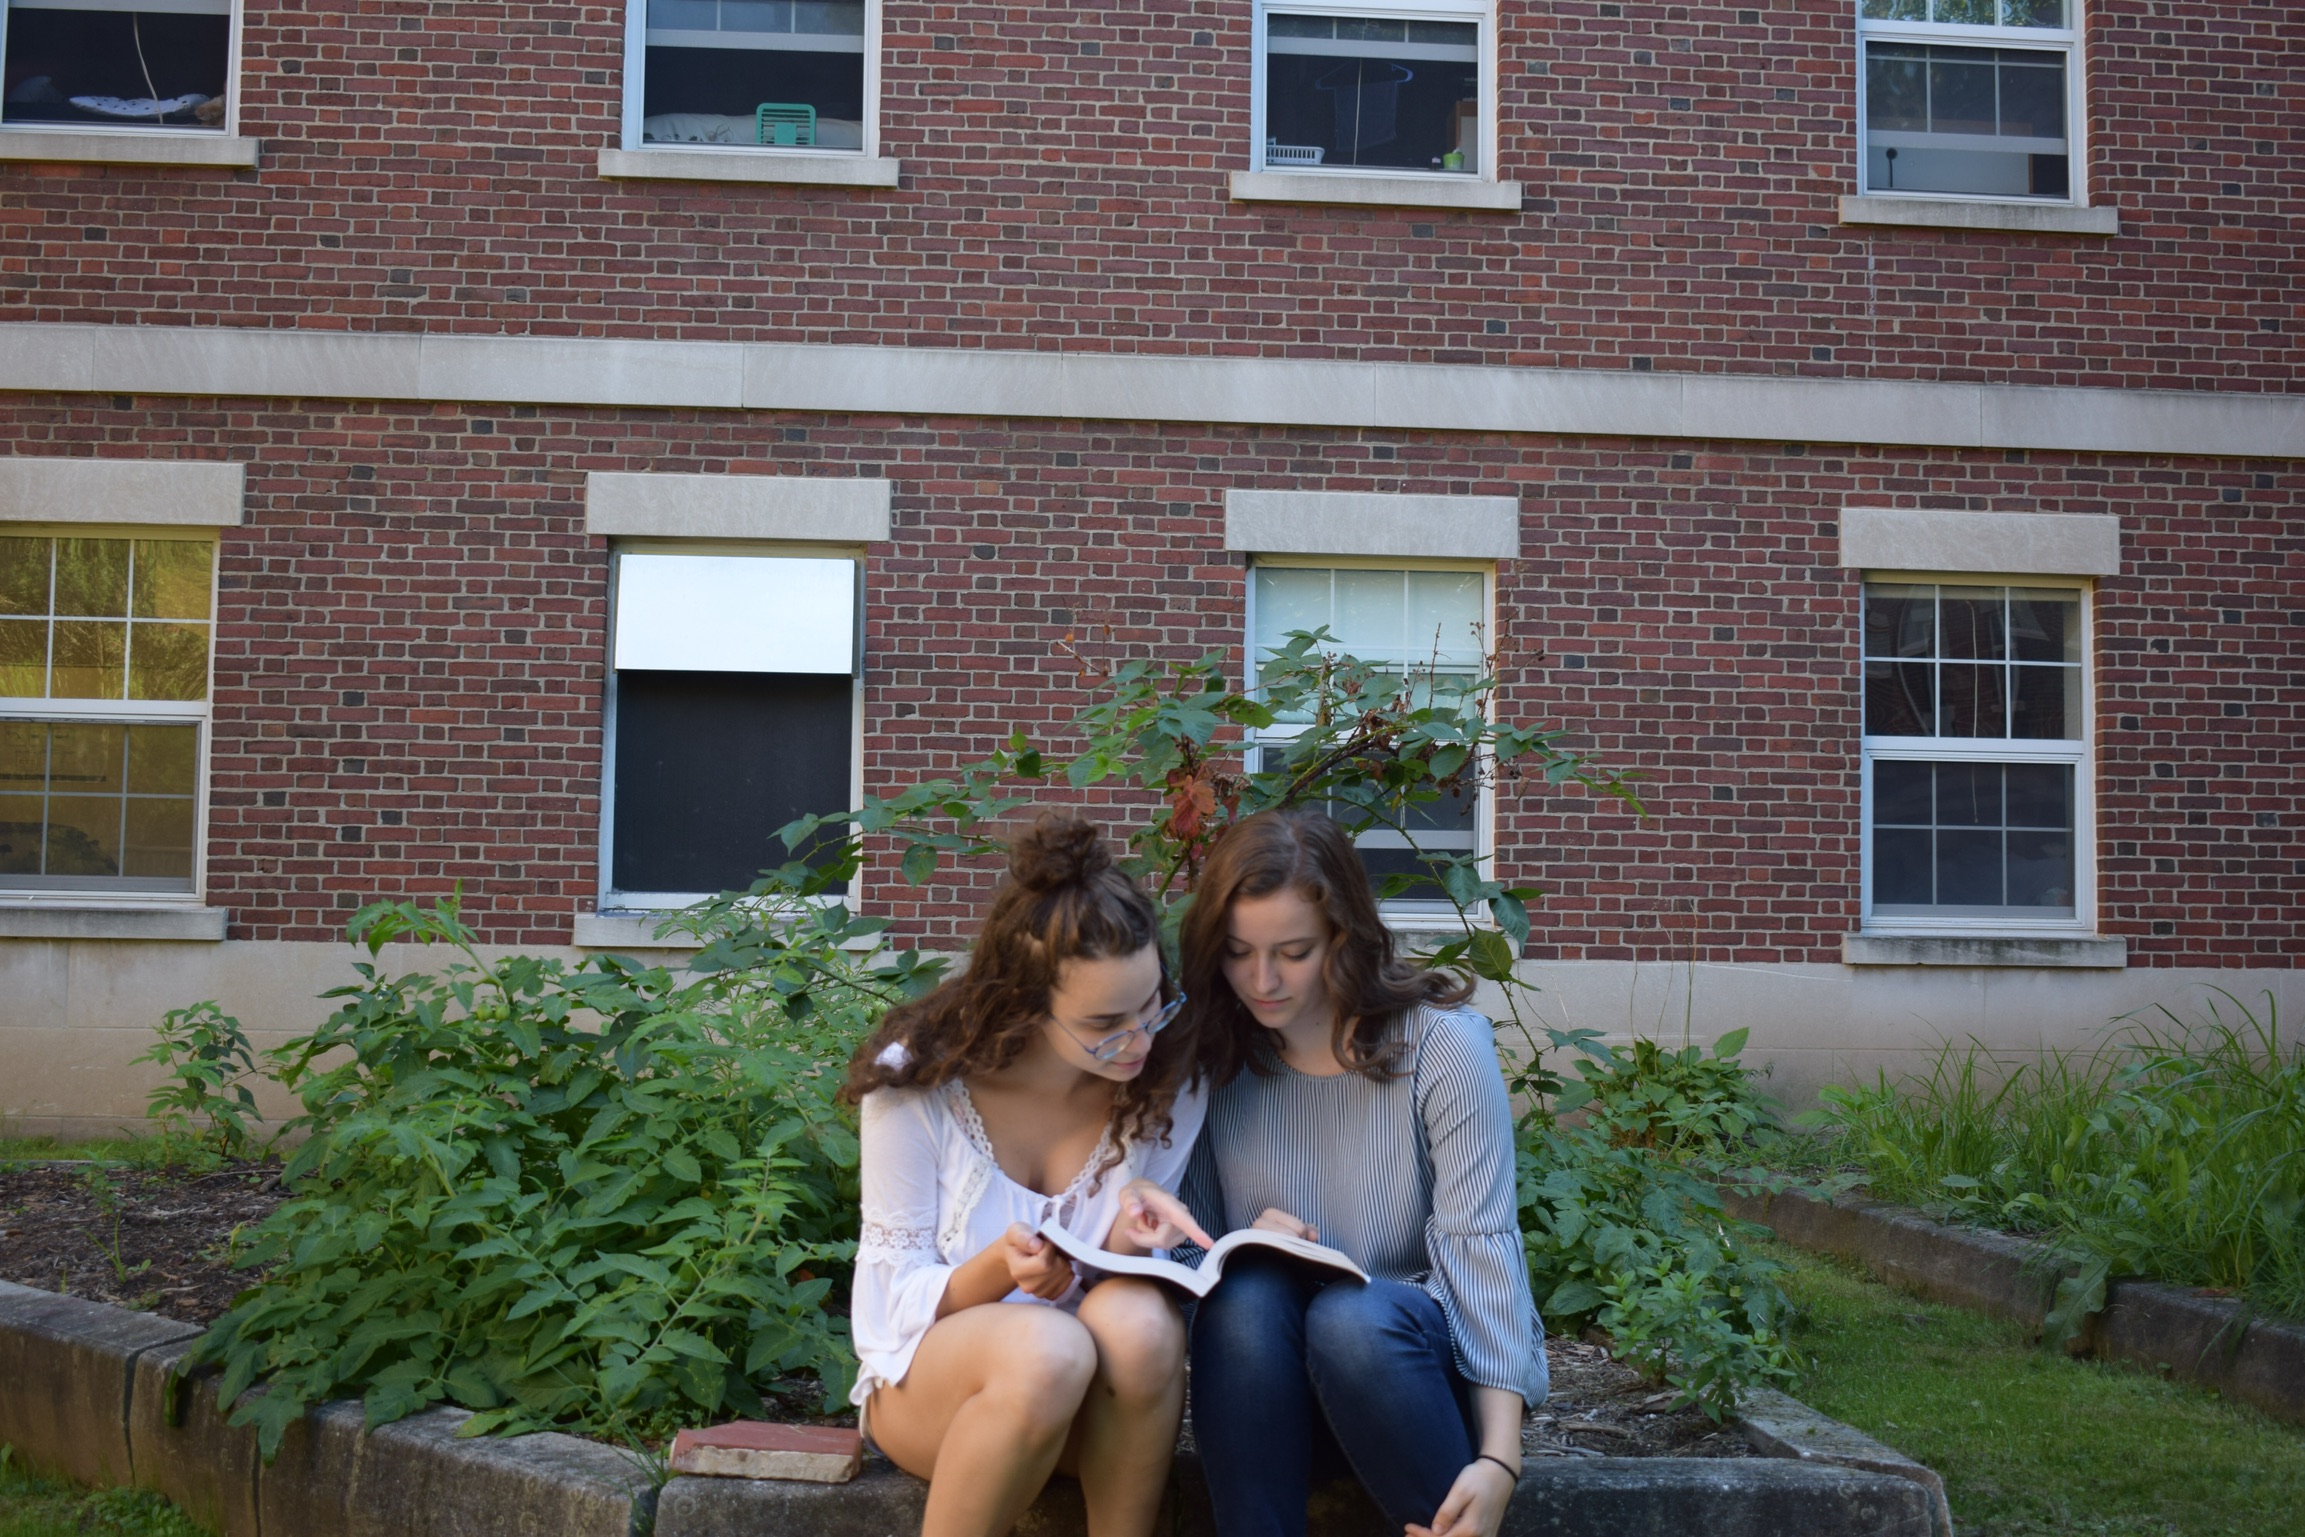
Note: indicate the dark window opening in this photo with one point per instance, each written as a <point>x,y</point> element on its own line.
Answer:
<point>122,69</point>
<point>710,765</point>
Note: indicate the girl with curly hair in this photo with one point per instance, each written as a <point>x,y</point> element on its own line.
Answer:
<point>1358,1103</point>
<point>1046,1083</point>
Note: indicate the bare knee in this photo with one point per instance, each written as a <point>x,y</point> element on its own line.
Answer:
<point>1139,1335</point>
<point>1044,1370</point>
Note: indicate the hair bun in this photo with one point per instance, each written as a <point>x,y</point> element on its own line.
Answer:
<point>1060,849</point>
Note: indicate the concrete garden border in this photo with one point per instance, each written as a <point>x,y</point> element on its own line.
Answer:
<point>85,1390</point>
<point>2183,1333</point>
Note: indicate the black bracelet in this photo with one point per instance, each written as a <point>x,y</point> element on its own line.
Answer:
<point>1500,1462</point>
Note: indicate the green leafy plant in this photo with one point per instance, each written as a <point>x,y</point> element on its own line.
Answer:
<point>106,1197</point>
<point>1686,1103</point>
<point>1377,748</point>
<point>210,1065</point>
<point>2175,1150</point>
<point>602,1196</point>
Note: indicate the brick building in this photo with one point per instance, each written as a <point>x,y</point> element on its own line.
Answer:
<point>538,447</point>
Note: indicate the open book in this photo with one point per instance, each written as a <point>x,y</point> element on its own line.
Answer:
<point>1202,1281</point>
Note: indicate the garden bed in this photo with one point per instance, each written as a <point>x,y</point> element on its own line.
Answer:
<point>175,1231</point>
<point>152,1240</point>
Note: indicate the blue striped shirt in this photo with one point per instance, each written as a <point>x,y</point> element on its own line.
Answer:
<point>1411,1176</point>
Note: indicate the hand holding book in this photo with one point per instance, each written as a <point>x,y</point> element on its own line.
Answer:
<point>1200,1282</point>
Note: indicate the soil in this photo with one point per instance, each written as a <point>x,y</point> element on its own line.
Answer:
<point>175,1233</point>
<point>166,1254</point>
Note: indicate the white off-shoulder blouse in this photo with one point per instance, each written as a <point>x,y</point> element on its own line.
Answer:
<point>934,1196</point>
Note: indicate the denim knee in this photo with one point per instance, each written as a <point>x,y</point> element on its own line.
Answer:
<point>1258,1307</point>
<point>1358,1332</point>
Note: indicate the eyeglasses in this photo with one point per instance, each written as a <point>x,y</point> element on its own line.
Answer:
<point>1106,1048</point>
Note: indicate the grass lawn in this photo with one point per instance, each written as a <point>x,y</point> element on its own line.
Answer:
<point>2030,1443</point>
<point>37,1507</point>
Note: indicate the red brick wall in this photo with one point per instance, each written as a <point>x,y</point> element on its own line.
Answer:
<point>433,167</point>
<point>410,657</point>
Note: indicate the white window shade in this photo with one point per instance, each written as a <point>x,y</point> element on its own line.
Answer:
<point>1391,618</point>
<point>735,613</point>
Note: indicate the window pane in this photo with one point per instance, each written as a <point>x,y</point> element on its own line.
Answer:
<point>2032,96</point>
<point>1903,793</point>
<point>2040,795</point>
<point>2040,869</point>
<point>2047,706</point>
<point>92,67</point>
<point>23,757</point>
<point>163,760</point>
<point>23,576</point>
<point>1898,699</point>
<point>1289,599</point>
<point>83,836</point>
<point>21,820</point>
<point>710,765</point>
<point>1971,621</point>
<point>23,658</point>
<point>1902,867</point>
<point>2045,626</point>
<point>170,661</point>
<point>158,842</point>
<point>1897,87</point>
<point>1967,13</point>
<point>90,659</point>
<point>1371,615</point>
<point>1969,794</point>
<point>172,578</point>
<point>1900,620</point>
<point>92,577</point>
<point>735,613</point>
<point>1358,91</point>
<point>1969,700</point>
<point>1969,868</point>
<point>86,759</point>
<point>2032,13</point>
<point>1446,620</point>
<point>754,73</point>
<point>1897,10</point>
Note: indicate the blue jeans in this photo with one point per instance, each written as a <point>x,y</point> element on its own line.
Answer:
<point>1294,1378</point>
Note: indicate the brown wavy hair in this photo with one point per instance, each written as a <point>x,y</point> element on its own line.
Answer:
<point>1371,984</point>
<point>1063,900</point>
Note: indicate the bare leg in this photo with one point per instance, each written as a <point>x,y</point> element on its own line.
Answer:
<point>984,1411</point>
<point>1126,1433</point>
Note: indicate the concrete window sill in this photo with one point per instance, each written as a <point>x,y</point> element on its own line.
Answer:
<point>1956,213</point>
<point>624,931</point>
<point>2080,952</point>
<point>767,167</point>
<point>130,147</point>
<point>27,921</point>
<point>1437,191</point>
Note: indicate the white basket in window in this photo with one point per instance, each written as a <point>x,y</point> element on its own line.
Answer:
<point>1277,153</point>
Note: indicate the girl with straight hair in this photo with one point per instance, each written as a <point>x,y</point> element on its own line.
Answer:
<point>1358,1103</point>
<point>1037,1087</point>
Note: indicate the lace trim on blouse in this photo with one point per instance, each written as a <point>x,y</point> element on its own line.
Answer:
<point>904,1247</point>
<point>986,1164</point>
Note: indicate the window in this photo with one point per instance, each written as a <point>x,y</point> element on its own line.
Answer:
<point>1976,757</point>
<point>1970,98</point>
<point>1394,88</point>
<point>1429,624</point>
<point>758,74</point>
<point>104,661</point>
<point>118,63</point>
<point>733,709</point>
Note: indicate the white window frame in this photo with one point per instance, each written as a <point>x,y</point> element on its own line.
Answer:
<point>1405,914</point>
<point>2079,754</point>
<point>199,713</point>
<point>234,53</point>
<point>1484,12</point>
<point>2066,40</point>
<point>636,86</point>
<point>609,900</point>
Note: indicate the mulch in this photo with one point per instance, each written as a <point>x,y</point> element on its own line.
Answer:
<point>161,1245</point>
<point>175,1237</point>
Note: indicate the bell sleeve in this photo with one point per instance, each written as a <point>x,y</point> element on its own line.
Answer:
<point>1480,1271</point>
<point>900,1276</point>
